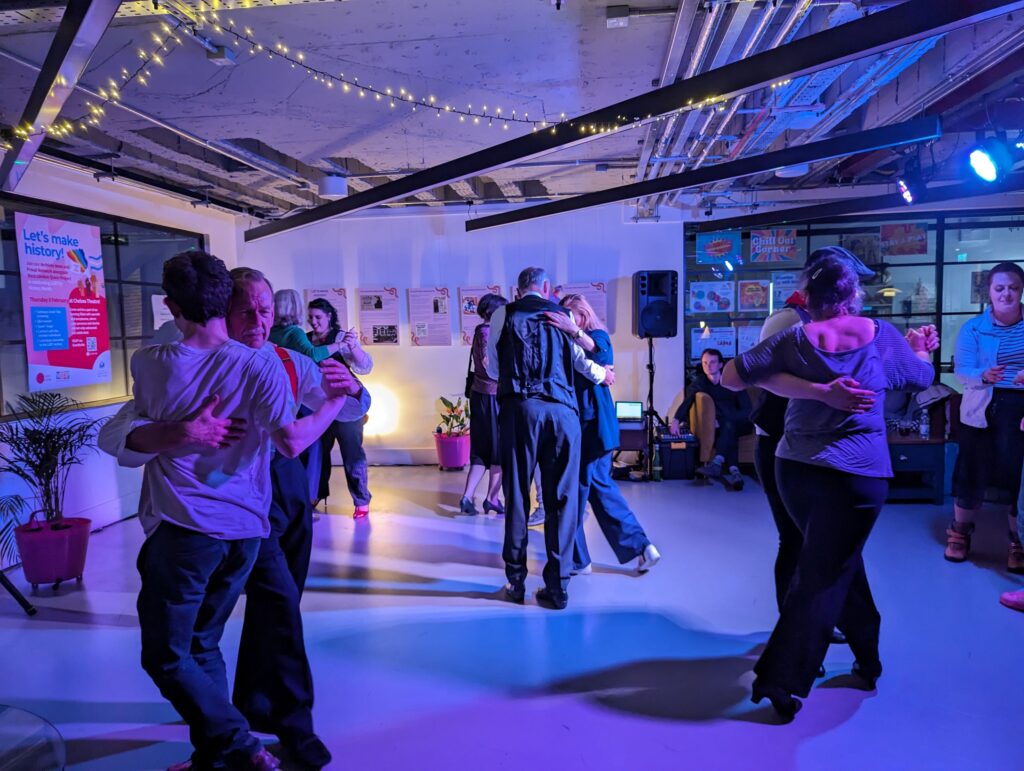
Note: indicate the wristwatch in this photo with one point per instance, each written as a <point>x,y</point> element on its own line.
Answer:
<point>579,333</point>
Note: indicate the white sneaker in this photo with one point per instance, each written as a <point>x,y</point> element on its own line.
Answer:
<point>648,559</point>
<point>586,570</point>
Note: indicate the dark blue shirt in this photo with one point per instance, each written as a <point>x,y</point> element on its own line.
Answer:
<point>597,409</point>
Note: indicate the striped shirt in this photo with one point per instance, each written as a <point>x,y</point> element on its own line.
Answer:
<point>1010,353</point>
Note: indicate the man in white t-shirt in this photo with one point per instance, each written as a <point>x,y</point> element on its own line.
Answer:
<point>212,408</point>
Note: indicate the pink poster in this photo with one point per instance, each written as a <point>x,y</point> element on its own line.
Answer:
<point>65,302</point>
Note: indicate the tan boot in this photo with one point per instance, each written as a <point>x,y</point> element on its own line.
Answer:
<point>958,541</point>
<point>1015,560</point>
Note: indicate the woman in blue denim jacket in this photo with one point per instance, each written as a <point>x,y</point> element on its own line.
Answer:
<point>989,361</point>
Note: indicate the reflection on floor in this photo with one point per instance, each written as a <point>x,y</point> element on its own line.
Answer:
<point>418,666</point>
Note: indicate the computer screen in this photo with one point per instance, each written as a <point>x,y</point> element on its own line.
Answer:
<point>629,410</point>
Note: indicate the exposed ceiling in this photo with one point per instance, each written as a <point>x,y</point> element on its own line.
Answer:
<point>260,134</point>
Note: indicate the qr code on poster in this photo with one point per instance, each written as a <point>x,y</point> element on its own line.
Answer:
<point>420,330</point>
<point>90,345</point>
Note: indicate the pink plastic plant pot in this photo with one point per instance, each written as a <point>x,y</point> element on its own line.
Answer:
<point>452,451</point>
<point>52,552</point>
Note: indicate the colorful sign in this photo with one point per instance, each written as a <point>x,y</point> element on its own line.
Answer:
<point>469,299</point>
<point>904,238</point>
<point>378,316</point>
<point>716,248</point>
<point>753,295</point>
<point>777,245</point>
<point>712,296</point>
<point>720,338</point>
<point>64,299</point>
<point>338,298</point>
<point>430,318</point>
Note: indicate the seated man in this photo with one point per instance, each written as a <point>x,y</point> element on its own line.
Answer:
<point>732,415</point>
<point>212,408</point>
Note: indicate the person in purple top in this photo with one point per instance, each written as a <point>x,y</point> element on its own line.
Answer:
<point>832,471</point>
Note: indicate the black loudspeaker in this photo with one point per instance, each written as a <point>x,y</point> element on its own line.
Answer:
<point>655,303</point>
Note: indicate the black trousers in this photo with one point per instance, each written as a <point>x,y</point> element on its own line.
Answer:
<point>535,432</point>
<point>349,436</point>
<point>791,540</point>
<point>273,682</point>
<point>727,439</point>
<point>835,512</point>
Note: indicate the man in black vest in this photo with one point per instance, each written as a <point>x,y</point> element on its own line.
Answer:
<point>534,364</point>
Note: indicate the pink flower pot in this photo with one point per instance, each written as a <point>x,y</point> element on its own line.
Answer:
<point>52,552</point>
<point>452,451</point>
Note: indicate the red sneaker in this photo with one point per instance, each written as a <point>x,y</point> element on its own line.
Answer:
<point>361,511</point>
<point>1013,600</point>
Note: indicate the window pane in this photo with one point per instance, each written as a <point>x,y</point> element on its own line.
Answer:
<point>144,250</point>
<point>901,291</point>
<point>14,377</point>
<point>966,287</point>
<point>892,243</point>
<point>138,309</point>
<point>967,240</point>
<point>11,327</point>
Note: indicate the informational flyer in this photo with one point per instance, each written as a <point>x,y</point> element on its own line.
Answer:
<point>720,338</point>
<point>378,316</point>
<point>161,313</point>
<point>748,337</point>
<point>783,285</point>
<point>904,238</point>
<point>430,317</point>
<point>753,295</point>
<point>716,248</point>
<point>469,299</point>
<point>337,297</point>
<point>778,245</point>
<point>595,292</point>
<point>713,296</point>
<point>64,298</point>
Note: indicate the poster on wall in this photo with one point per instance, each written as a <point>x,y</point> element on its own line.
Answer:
<point>721,338</point>
<point>469,299</point>
<point>430,318</point>
<point>716,248</point>
<point>778,245</point>
<point>161,313</point>
<point>337,297</point>
<point>595,292</point>
<point>783,285</point>
<point>378,316</point>
<point>748,337</point>
<point>904,238</point>
<point>712,296</point>
<point>753,295</point>
<point>64,298</point>
<point>867,246</point>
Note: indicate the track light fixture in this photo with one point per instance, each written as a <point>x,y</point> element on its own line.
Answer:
<point>993,158</point>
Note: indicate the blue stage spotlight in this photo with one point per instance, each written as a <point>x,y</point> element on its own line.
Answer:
<point>992,160</point>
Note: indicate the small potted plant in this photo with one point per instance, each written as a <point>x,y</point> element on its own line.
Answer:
<point>40,448</point>
<point>452,435</point>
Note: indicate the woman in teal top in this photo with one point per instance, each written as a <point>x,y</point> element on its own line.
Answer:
<point>287,331</point>
<point>600,438</point>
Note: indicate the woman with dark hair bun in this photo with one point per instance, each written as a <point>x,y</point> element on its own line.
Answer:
<point>325,330</point>
<point>483,417</point>
<point>832,471</point>
<point>989,361</point>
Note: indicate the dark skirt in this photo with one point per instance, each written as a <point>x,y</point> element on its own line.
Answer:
<point>988,466</point>
<point>483,430</point>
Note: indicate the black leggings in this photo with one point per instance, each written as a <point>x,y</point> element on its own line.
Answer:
<point>835,513</point>
<point>791,540</point>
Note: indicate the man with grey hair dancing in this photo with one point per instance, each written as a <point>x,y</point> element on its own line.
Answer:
<point>534,365</point>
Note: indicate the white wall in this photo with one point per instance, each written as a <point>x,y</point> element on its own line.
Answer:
<point>420,247</point>
<point>99,489</point>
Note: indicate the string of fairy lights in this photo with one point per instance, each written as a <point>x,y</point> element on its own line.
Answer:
<point>160,48</point>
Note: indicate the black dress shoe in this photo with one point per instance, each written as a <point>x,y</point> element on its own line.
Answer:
<point>555,600</point>
<point>785,704</point>
<point>308,751</point>
<point>821,671</point>
<point>838,638</point>
<point>514,593</point>
<point>868,673</point>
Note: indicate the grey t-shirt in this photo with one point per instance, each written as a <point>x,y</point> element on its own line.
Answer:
<point>818,434</point>
<point>224,493</point>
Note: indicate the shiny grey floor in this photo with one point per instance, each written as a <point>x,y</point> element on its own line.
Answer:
<point>418,666</point>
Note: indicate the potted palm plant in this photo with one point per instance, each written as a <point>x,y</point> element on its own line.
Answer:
<point>40,448</point>
<point>452,435</point>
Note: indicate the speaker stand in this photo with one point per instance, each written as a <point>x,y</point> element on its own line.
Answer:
<point>651,416</point>
<point>19,598</point>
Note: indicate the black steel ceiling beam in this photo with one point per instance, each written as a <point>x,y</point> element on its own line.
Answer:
<point>909,22</point>
<point>865,205</point>
<point>920,130</point>
<point>79,32</point>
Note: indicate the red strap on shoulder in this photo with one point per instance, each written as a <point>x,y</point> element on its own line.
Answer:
<point>289,367</point>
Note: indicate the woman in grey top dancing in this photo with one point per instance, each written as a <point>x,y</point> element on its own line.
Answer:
<point>832,471</point>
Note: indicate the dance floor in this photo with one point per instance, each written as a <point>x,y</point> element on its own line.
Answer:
<point>419,666</point>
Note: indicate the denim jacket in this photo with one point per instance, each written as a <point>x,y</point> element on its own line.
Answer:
<point>977,347</point>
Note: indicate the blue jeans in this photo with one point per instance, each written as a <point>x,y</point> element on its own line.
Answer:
<point>1020,508</point>
<point>190,584</point>
<point>619,525</point>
